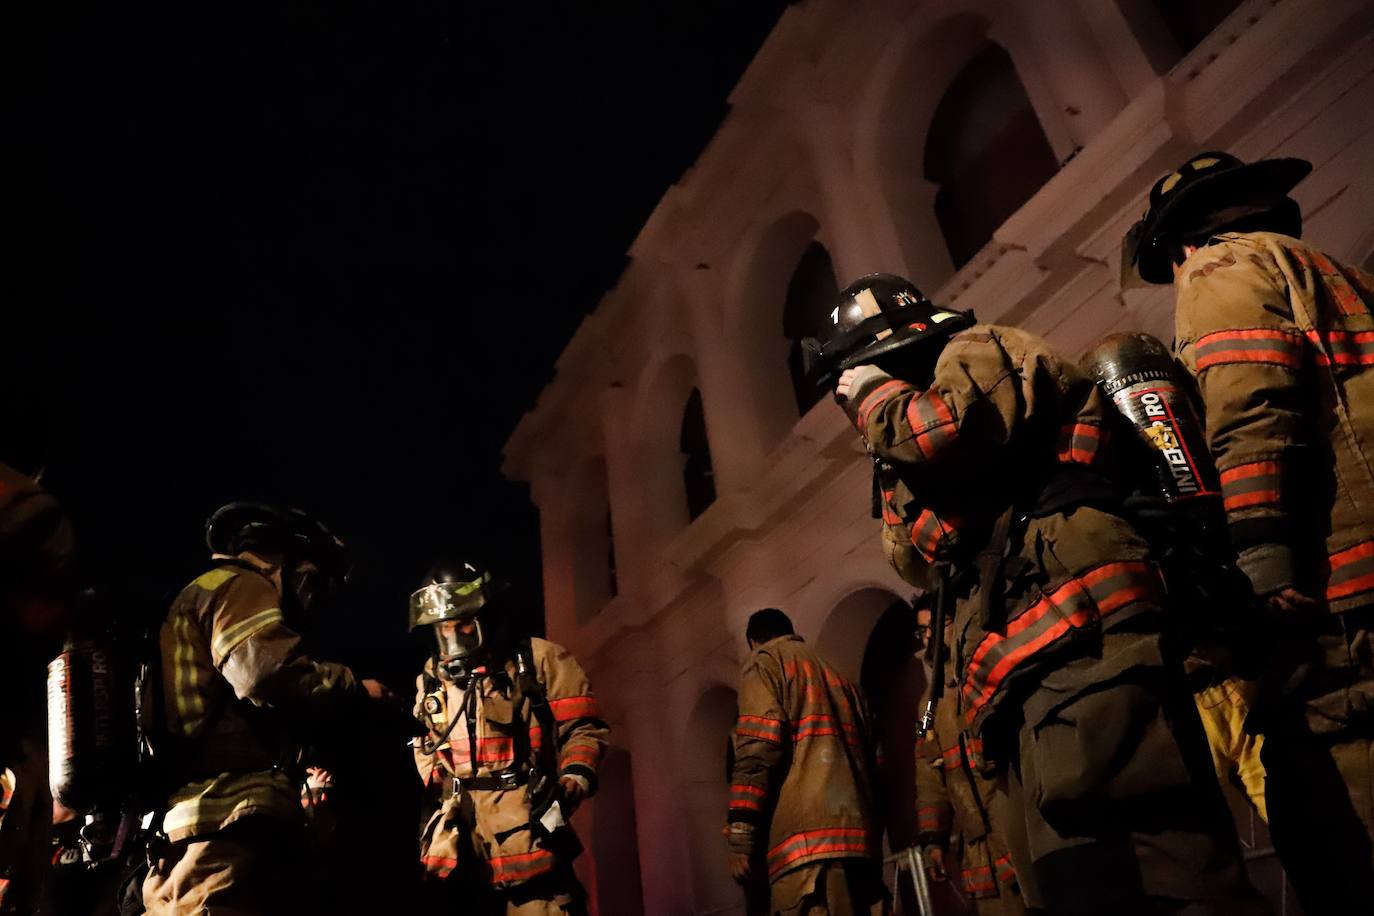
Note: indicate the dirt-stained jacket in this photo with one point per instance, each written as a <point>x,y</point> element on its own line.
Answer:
<point>954,807</point>
<point>497,727</point>
<point>237,689</point>
<point>1003,419</point>
<point>1281,341</point>
<point>804,760</point>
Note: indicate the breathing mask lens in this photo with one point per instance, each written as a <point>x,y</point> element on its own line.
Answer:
<point>458,639</point>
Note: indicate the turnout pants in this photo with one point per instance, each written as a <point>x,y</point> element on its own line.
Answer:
<point>1317,716</point>
<point>832,887</point>
<point>1114,804</point>
<point>250,868</point>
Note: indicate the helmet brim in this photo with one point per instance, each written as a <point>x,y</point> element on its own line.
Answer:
<point>1185,211</point>
<point>441,601</point>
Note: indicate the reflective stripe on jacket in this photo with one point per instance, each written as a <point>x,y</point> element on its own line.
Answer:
<point>1281,340</point>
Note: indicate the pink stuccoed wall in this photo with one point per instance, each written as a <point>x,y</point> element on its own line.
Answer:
<point>824,141</point>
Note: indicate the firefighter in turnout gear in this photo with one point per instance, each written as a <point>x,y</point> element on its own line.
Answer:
<point>238,694</point>
<point>37,550</point>
<point>959,813</point>
<point>1280,340</point>
<point>993,471</point>
<point>514,740</point>
<point>801,795</point>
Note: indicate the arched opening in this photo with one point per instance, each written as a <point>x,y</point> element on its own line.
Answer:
<point>698,478</point>
<point>893,679</point>
<point>614,845</point>
<point>1190,21</point>
<point>706,763</point>
<point>811,295</point>
<point>986,150</point>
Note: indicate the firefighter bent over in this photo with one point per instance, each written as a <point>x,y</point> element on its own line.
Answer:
<point>801,796</point>
<point>1280,339</point>
<point>959,816</point>
<point>239,697</point>
<point>993,474</point>
<point>514,740</point>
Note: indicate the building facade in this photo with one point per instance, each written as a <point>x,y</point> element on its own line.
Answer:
<point>994,151</point>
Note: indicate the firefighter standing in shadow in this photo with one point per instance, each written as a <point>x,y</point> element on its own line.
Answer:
<point>37,550</point>
<point>959,814</point>
<point>239,698</point>
<point>1280,340</point>
<point>992,473</point>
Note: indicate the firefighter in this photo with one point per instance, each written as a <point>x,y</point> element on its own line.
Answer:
<point>239,696</point>
<point>802,792</point>
<point>958,811</point>
<point>993,473</point>
<point>37,551</point>
<point>1280,340</point>
<point>514,740</point>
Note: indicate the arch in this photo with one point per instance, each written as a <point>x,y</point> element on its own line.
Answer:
<point>757,296</point>
<point>843,637</point>
<point>658,462</point>
<point>894,680</point>
<point>705,769</point>
<point>892,121</point>
<point>985,151</point>
<point>698,473</point>
<point>811,294</point>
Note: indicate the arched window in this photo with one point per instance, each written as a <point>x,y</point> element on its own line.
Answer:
<point>698,478</point>
<point>811,294</point>
<point>1190,21</point>
<point>986,151</point>
<point>893,680</point>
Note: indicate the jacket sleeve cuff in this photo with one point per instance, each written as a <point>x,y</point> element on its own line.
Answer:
<point>740,836</point>
<point>866,378</point>
<point>1268,566</point>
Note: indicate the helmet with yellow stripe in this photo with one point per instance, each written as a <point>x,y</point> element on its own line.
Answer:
<point>456,600</point>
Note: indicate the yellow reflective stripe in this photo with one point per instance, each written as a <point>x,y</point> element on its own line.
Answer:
<point>215,578</point>
<point>186,681</point>
<point>230,638</point>
<point>207,807</point>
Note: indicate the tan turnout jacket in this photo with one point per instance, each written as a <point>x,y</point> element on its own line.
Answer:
<point>804,757</point>
<point>954,805</point>
<point>1281,341</point>
<point>1003,415</point>
<point>234,677</point>
<point>499,842</point>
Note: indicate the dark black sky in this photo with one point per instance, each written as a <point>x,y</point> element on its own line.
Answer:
<point>325,253</point>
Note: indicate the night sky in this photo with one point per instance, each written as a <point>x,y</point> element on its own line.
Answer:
<point>324,253</point>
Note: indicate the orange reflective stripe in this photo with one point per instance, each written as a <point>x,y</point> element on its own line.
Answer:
<point>522,867</point>
<point>1079,443</point>
<point>1258,345</point>
<point>818,842</point>
<point>1352,571</point>
<point>584,707</point>
<point>876,398</point>
<point>1249,485</point>
<point>1096,594</point>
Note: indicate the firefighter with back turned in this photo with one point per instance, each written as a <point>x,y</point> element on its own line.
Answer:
<point>1279,338</point>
